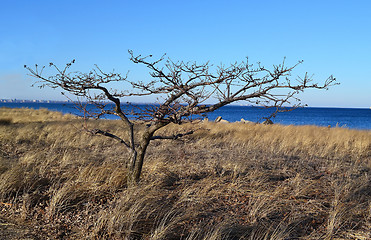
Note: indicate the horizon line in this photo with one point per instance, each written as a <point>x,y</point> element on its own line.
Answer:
<point>15,100</point>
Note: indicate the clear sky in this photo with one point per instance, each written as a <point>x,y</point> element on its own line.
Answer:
<point>332,37</point>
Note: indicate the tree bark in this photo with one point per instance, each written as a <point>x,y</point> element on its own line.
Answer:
<point>137,157</point>
<point>136,168</point>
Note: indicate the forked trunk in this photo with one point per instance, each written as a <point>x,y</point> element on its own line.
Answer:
<point>138,153</point>
<point>136,160</point>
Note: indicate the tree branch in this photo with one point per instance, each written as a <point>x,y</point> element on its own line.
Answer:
<point>110,135</point>
<point>173,137</point>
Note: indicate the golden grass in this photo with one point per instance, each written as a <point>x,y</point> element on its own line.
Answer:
<point>292,140</point>
<point>25,115</point>
<point>226,181</point>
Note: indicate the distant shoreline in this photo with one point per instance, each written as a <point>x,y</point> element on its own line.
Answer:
<point>145,103</point>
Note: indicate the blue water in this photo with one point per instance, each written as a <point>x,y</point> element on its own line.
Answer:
<point>353,118</point>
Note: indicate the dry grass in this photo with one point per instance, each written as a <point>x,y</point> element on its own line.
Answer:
<point>25,115</point>
<point>226,181</point>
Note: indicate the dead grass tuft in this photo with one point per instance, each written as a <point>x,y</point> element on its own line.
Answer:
<point>25,115</point>
<point>5,121</point>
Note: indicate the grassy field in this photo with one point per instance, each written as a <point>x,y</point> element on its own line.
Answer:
<point>226,181</point>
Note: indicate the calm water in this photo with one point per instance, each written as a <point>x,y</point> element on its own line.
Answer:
<point>343,117</point>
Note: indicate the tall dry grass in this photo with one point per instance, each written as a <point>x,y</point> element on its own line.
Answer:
<point>226,181</point>
<point>25,115</point>
<point>312,141</point>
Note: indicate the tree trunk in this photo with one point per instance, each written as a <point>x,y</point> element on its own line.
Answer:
<point>136,161</point>
<point>135,172</point>
<point>137,157</point>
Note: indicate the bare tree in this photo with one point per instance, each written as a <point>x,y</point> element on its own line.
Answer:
<point>182,89</point>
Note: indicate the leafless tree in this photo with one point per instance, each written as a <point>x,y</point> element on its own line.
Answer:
<point>182,89</point>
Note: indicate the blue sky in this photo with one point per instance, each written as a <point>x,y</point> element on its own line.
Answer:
<point>332,37</point>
